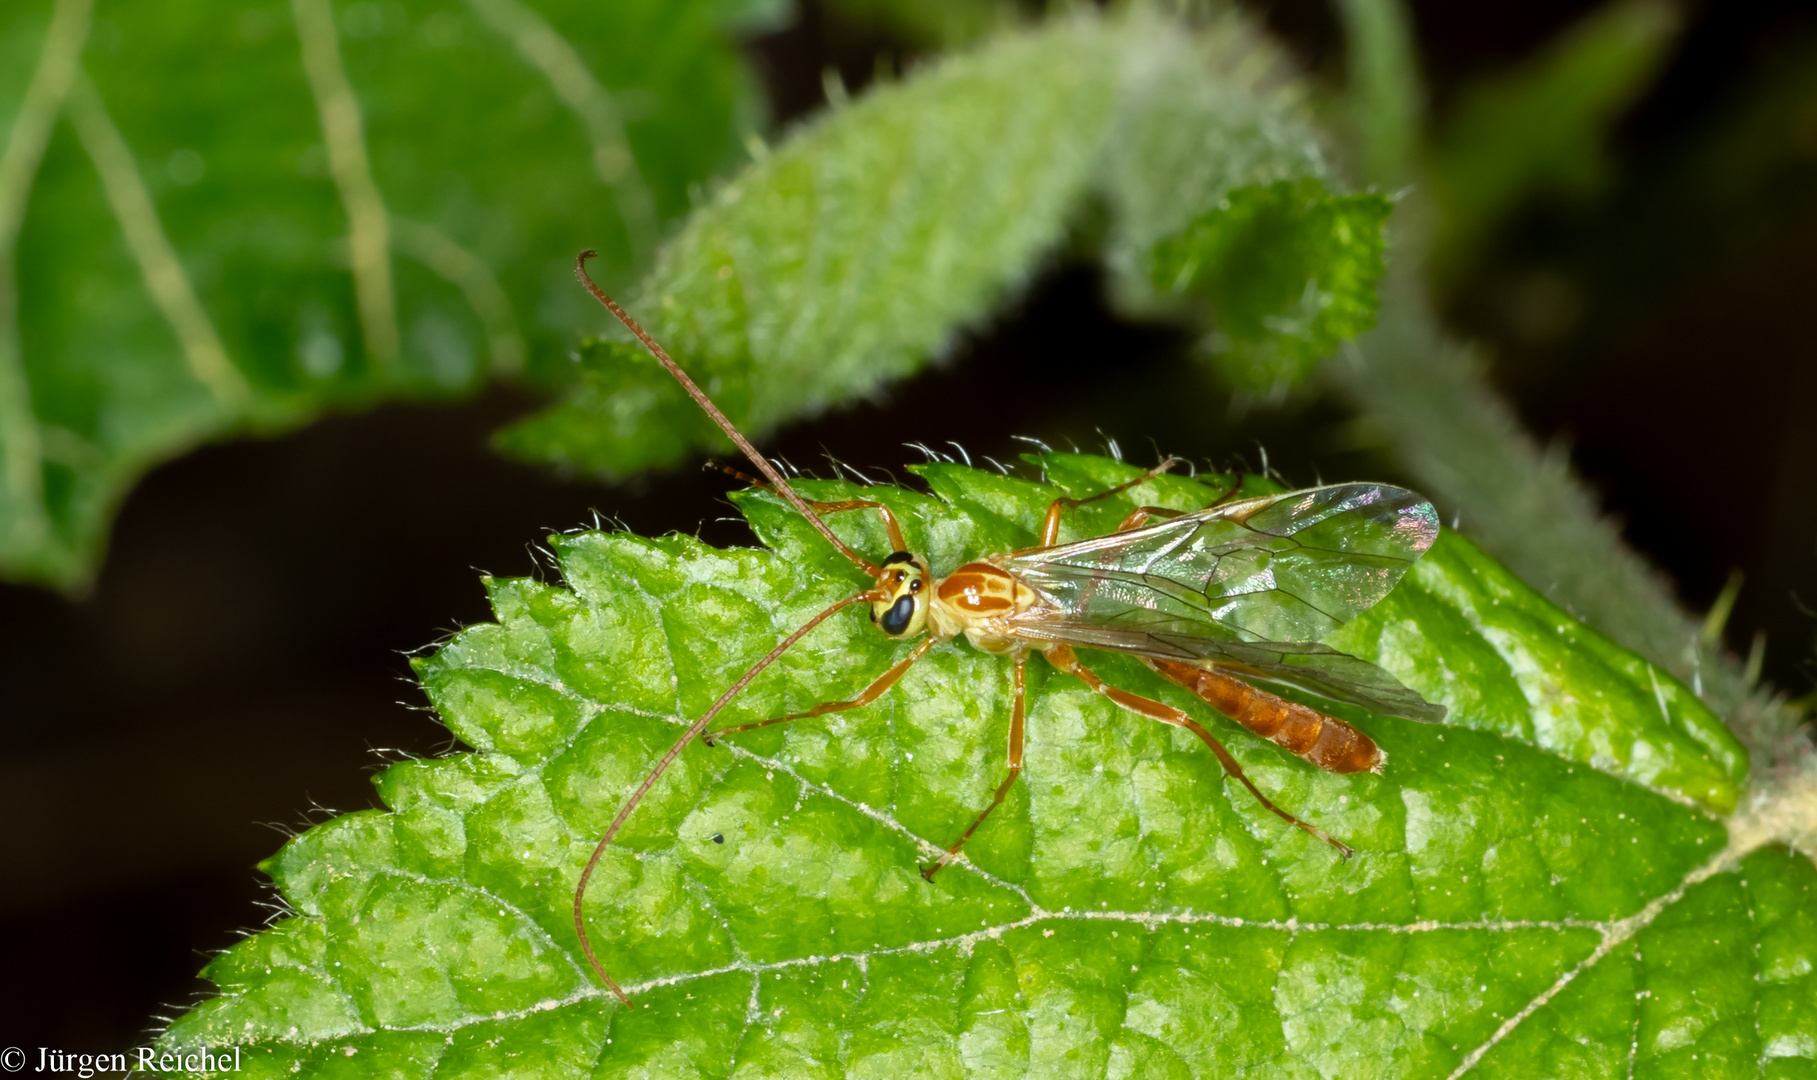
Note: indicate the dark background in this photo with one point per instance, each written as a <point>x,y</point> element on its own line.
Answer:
<point>242,656</point>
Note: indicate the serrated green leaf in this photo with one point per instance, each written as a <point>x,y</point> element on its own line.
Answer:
<point>1288,271</point>
<point>1535,891</point>
<point>343,201</point>
<point>860,248</point>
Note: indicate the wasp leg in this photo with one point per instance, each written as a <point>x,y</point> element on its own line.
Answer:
<point>1050,528</point>
<point>890,524</point>
<point>865,697</point>
<point>1063,658</point>
<point>1015,770</point>
<point>1228,493</point>
<point>1141,516</point>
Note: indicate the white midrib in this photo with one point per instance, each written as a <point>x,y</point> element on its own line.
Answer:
<point>1614,934</point>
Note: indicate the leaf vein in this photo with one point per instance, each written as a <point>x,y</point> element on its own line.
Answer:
<point>19,434</point>
<point>474,278</point>
<point>962,942</point>
<point>584,95</point>
<point>923,844</point>
<point>1618,931</point>
<point>491,897</point>
<point>1754,981</point>
<point>344,134</point>
<point>165,277</point>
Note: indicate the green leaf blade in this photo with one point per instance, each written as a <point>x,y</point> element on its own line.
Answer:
<point>1288,271</point>
<point>1127,907</point>
<point>850,255</point>
<point>1559,683</point>
<point>180,267</point>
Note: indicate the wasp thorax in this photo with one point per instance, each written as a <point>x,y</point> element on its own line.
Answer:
<point>903,612</point>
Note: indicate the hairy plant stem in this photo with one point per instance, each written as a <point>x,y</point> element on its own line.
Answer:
<point>1426,394</point>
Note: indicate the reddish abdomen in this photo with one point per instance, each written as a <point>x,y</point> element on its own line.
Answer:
<point>1325,741</point>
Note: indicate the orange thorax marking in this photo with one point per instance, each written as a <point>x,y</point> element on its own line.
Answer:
<point>979,589</point>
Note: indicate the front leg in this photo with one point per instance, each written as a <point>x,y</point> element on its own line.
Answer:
<point>1009,780</point>
<point>865,697</point>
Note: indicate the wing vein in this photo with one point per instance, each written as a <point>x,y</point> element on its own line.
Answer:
<point>1254,586</point>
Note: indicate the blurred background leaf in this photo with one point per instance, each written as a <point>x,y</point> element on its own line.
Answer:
<point>344,203</point>
<point>451,144</point>
<point>1287,271</point>
<point>858,250</point>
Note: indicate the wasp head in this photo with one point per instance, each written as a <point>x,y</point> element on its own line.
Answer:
<point>902,612</point>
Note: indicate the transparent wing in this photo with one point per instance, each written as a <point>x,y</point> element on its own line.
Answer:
<point>1250,585</point>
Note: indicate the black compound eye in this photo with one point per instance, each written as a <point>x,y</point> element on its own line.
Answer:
<point>915,585</point>
<point>896,620</point>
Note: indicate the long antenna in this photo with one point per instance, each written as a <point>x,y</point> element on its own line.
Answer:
<point>700,398</point>
<point>693,732</point>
